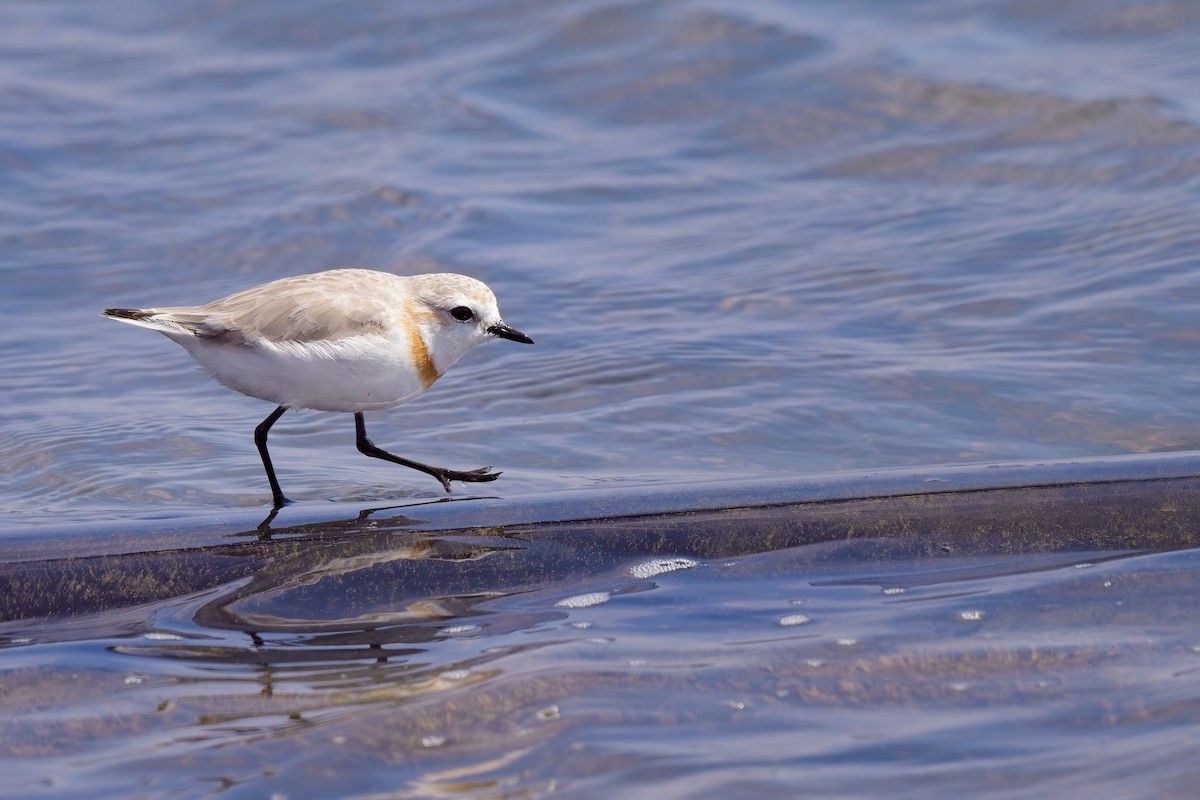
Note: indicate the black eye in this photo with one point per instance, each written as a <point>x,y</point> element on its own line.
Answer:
<point>462,313</point>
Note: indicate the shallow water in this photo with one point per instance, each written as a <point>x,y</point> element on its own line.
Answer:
<point>759,242</point>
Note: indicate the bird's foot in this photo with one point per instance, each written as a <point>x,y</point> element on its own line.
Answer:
<point>481,475</point>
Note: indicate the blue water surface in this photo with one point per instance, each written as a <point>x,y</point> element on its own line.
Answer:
<point>755,241</point>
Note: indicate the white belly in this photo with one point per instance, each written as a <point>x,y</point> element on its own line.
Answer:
<point>362,373</point>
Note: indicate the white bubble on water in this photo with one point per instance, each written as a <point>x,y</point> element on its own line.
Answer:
<point>659,566</point>
<point>584,600</point>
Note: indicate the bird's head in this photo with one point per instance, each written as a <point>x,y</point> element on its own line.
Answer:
<point>458,313</point>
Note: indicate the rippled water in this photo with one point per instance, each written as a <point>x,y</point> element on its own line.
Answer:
<point>750,239</point>
<point>753,241</point>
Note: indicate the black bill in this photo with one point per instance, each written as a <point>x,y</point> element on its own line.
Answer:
<point>505,332</point>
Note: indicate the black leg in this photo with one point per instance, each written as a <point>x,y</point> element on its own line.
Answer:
<point>444,475</point>
<point>260,439</point>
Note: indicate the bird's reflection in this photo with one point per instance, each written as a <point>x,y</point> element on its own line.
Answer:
<point>265,529</point>
<point>358,604</point>
<point>267,555</point>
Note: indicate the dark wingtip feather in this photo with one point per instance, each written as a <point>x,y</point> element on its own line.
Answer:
<point>125,313</point>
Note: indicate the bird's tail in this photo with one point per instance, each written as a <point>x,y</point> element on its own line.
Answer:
<point>181,322</point>
<point>127,314</point>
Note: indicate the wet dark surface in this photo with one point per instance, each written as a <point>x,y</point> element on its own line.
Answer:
<point>389,551</point>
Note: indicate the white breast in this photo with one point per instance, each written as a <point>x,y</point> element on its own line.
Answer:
<point>358,373</point>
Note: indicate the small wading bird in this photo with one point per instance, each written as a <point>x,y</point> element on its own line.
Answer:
<point>344,340</point>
